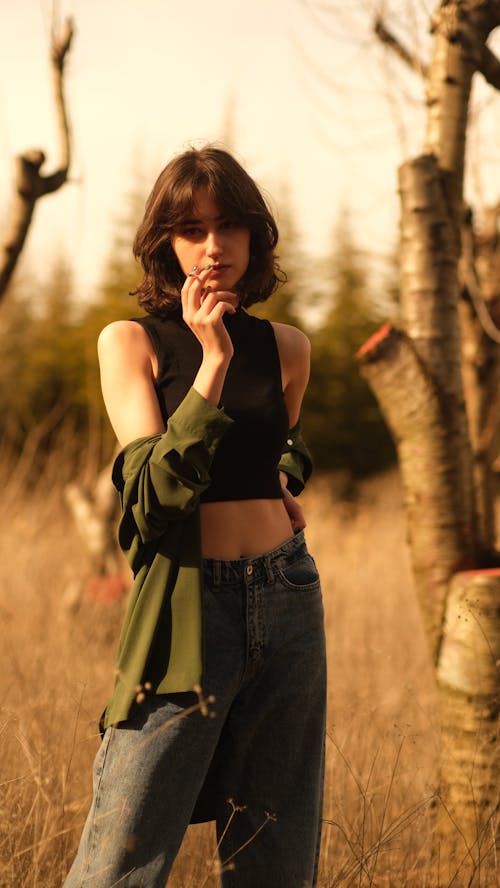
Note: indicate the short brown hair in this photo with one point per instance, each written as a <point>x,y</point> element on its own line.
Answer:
<point>171,201</point>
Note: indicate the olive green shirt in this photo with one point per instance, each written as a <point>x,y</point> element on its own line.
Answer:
<point>160,479</point>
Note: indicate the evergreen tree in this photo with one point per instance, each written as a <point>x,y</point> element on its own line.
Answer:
<point>55,365</point>
<point>114,301</point>
<point>42,368</point>
<point>48,344</point>
<point>341,417</point>
<point>17,326</point>
<point>286,303</point>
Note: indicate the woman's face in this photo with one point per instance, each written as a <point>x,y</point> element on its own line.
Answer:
<point>207,237</point>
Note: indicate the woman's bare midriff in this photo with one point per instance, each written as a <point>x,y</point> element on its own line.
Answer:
<point>243,528</point>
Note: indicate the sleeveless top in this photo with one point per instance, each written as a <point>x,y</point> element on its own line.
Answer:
<point>245,464</point>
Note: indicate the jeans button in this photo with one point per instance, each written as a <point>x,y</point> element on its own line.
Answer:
<point>249,570</point>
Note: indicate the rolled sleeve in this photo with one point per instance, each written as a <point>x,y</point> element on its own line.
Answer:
<point>162,477</point>
<point>296,460</point>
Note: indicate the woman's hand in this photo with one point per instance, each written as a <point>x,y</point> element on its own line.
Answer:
<point>292,507</point>
<point>203,311</point>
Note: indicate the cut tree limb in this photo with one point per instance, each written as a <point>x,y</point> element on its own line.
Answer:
<point>438,531</point>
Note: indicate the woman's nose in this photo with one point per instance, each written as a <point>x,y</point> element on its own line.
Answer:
<point>213,245</point>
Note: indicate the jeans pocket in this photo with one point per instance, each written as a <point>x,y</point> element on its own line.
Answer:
<point>301,575</point>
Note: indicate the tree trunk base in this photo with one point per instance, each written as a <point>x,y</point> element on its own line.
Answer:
<point>468,678</point>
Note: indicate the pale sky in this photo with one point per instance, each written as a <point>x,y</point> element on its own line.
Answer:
<point>314,107</point>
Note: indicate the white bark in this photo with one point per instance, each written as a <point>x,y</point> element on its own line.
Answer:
<point>468,678</point>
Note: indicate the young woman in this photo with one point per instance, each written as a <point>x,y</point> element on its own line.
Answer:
<point>205,400</point>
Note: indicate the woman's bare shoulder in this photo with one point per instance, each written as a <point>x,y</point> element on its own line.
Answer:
<point>128,367</point>
<point>292,342</point>
<point>295,357</point>
<point>124,338</point>
<point>119,333</point>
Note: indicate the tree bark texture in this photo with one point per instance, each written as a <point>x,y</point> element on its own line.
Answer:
<point>29,183</point>
<point>460,28</point>
<point>439,532</point>
<point>479,308</point>
<point>416,375</point>
<point>468,678</point>
<point>429,313</point>
<point>448,91</point>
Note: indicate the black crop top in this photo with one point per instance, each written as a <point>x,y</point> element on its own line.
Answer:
<point>245,465</point>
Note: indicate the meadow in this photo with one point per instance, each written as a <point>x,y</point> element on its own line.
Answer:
<point>56,664</point>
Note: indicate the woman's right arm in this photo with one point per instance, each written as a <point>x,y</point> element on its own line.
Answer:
<point>159,473</point>
<point>128,363</point>
<point>128,366</point>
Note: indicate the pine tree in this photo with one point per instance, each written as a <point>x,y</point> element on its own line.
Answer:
<point>342,420</point>
<point>43,369</point>
<point>114,301</point>
<point>286,304</point>
<point>16,342</point>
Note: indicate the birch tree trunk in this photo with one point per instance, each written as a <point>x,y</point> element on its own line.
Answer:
<point>479,308</point>
<point>468,683</point>
<point>416,375</point>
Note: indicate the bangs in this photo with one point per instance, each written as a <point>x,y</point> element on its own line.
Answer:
<point>181,202</point>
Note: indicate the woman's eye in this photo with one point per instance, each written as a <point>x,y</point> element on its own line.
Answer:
<point>192,231</point>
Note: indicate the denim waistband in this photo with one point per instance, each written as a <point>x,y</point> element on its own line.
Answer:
<point>256,567</point>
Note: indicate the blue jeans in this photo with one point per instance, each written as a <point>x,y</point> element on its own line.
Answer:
<point>264,661</point>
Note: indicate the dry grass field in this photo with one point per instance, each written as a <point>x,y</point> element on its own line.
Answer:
<point>56,663</point>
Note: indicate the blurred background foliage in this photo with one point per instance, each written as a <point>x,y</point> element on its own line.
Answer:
<point>49,361</point>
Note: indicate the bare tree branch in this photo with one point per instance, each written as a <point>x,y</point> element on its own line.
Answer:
<point>487,63</point>
<point>489,66</point>
<point>59,50</point>
<point>386,37</point>
<point>29,183</point>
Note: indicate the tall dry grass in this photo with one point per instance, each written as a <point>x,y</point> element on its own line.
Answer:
<point>56,665</point>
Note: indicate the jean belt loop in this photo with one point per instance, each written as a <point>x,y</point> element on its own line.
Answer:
<point>269,569</point>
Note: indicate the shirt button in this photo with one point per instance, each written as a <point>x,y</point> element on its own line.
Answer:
<point>289,442</point>
<point>249,570</point>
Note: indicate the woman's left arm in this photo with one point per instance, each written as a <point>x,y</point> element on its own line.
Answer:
<point>295,357</point>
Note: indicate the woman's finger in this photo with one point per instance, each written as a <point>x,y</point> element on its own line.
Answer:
<point>193,287</point>
<point>212,310</point>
